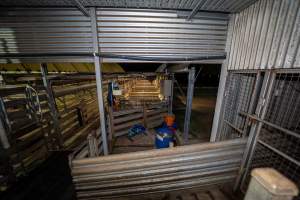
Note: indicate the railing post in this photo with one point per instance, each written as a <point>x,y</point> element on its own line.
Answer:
<point>189,101</point>
<point>98,74</point>
<point>51,104</point>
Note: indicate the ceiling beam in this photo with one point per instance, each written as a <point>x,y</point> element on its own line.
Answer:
<point>195,10</point>
<point>81,8</point>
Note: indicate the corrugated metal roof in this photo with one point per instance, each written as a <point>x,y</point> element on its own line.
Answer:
<point>208,5</point>
<point>63,67</point>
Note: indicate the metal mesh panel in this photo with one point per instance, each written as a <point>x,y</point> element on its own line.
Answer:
<point>278,143</point>
<point>239,90</point>
<point>265,157</point>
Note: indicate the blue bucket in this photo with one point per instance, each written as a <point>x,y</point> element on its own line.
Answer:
<point>163,138</point>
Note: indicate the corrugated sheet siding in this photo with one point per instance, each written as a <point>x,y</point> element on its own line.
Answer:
<point>160,33</point>
<point>266,35</point>
<point>139,32</point>
<point>44,30</point>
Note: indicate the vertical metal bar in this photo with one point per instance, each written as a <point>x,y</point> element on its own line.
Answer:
<point>253,101</point>
<point>221,90</point>
<point>51,104</point>
<point>261,110</point>
<point>189,101</point>
<point>98,74</point>
<point>170,109</point>
<point>3,136</point>
<point>101,103</point>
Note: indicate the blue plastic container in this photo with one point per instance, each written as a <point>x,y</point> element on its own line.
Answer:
<point>163,138</point>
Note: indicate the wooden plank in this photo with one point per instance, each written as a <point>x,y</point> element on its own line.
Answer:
<point>126,112</point>
<point>128,124</point>
<point>129,118</point>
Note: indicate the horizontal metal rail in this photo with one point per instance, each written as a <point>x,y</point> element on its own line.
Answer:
<point>291,133</point>
<point>73,89</point>
<point>232,126</point>
<point>279,152</point>
<point>93,54</point>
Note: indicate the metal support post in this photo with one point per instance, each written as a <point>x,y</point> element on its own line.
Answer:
<point>97,64</point>
<point>189,101</point>
<point>170,108</point>
<point>51,104</point>
<point>101,104</point>
<point>261,110</point>
<point>3,136</point>
<point>221,89</point>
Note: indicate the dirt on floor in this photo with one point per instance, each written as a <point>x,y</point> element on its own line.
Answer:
<point>203,108</point>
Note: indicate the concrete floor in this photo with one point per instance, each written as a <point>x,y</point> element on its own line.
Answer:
<point>51,180</point>
<point>210,193</point>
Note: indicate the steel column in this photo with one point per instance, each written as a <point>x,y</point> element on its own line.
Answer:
<point>261,110</point>
<point>218,116</point>
<point>222,82</point>
<point>51,103</point>
<point>98,74</point>
<point>3,136</point>
<point>170,108</point>
<point>189,101</point>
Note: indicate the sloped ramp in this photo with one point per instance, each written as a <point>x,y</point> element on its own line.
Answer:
<point>157,171</point>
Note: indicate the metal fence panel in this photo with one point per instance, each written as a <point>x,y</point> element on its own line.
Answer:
<point>278,143</point>
<point>239,92</point>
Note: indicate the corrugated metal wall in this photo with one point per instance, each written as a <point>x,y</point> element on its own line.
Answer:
<point>40,30</point>
<point>120,31</point>
<point>160,33</point>
<point>266,35</point>
<point>44,30</point>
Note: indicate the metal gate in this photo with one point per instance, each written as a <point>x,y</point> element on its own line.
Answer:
<point>239,98</point>
<point>273,123</point>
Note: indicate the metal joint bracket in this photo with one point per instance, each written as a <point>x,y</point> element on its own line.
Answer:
<point>81,8</point>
